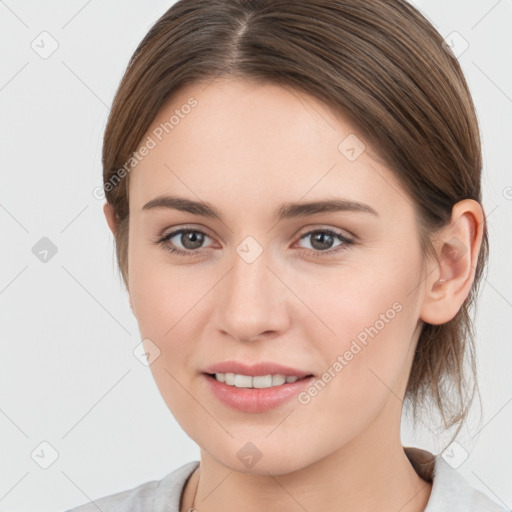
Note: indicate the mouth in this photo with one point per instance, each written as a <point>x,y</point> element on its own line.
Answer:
<point>255,394</point>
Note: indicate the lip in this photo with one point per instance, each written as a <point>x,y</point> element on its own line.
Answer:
<point>255,369</point>
<point>255,400</point>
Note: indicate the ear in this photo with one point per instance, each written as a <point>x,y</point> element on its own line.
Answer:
<point>108,210</point>
<point>449,282</point>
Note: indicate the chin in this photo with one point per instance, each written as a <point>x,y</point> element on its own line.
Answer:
<point>254,459</point>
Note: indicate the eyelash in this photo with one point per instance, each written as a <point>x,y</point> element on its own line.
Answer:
<point>311,252</point>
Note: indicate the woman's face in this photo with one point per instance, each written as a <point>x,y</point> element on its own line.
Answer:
<point>334,293</point>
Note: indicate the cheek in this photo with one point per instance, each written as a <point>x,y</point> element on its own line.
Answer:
<point>166,303</point>
<point>169,302</point>
<point>366,317</point>
<point>364,362</point>
<point>163,295</point>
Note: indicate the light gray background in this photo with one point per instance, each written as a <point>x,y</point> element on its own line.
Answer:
<point>67,372</point>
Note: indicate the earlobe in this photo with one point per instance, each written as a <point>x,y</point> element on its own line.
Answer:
<point>449,283</point>
<point>108,210</point>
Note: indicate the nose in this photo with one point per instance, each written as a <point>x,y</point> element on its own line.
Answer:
<point>252,301</point>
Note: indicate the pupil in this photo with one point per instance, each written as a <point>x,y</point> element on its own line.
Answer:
<point>192,240</point>
<point>321,237</point>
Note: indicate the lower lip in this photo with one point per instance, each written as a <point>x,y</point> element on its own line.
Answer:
<point>254,399</point>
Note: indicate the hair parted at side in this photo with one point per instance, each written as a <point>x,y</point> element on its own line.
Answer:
<point>380,64</point>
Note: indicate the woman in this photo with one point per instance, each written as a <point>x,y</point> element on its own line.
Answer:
<point>294,192</point>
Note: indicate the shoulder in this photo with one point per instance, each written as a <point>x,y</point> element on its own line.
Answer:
<point>450,490</point>
<point>157,495</point>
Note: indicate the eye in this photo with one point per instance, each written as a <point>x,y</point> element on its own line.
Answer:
<point>322,240</point>
<point>192,240</point>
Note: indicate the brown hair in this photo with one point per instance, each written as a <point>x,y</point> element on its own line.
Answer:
<point>379,63</point>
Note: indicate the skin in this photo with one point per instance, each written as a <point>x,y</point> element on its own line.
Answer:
<point>246,148</point>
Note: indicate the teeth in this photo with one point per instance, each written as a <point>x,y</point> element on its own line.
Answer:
<point>243,381</point>
<point>261,381</point>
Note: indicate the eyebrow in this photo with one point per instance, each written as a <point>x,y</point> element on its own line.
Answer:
<point>285,211</point>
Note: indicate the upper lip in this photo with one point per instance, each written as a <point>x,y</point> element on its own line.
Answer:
<point>255,369</point>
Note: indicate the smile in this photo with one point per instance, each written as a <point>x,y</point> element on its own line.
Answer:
<point>254,394</point>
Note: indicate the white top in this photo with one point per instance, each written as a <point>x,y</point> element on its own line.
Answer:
<point>450,490</point>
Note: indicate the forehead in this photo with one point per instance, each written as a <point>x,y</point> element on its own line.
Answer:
<point>230,141</point>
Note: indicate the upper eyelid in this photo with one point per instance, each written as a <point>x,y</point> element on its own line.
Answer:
<point>177,231</point>
<point>336,231</point>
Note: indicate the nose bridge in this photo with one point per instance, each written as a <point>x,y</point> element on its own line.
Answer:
<point>252,298</point>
